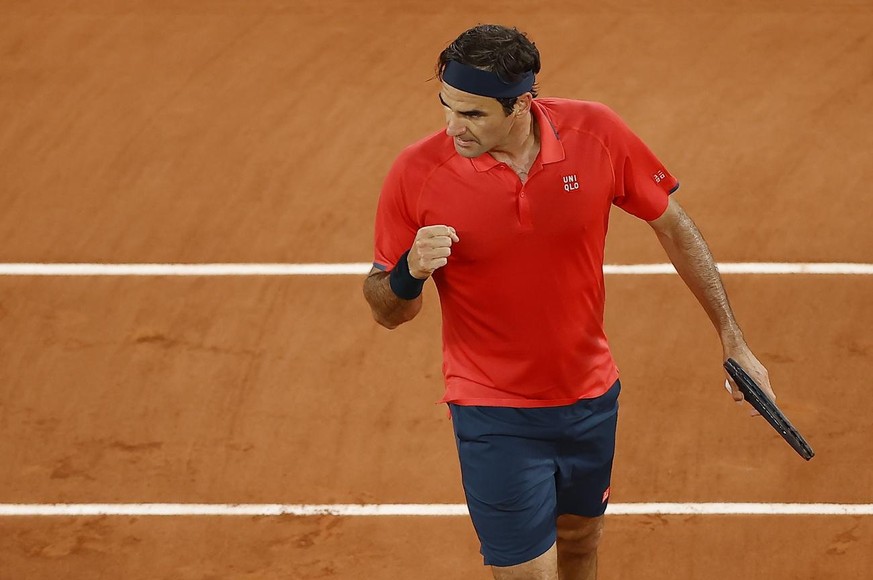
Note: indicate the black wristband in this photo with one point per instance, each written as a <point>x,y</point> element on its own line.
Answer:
<point>404,284</point>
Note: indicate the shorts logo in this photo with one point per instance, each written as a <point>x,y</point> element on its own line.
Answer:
<point>659,176</point>
<point>605,496</point>
<point>570,183</point>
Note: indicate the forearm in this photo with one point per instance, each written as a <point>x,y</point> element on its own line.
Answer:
<point>690,255</point>
<point>388,309</point>
<point>692,259</point>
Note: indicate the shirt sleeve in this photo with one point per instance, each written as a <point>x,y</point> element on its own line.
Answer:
<point>395,226</point>
<point>642,183</point>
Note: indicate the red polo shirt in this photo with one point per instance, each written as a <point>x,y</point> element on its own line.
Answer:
<point>522,295</point>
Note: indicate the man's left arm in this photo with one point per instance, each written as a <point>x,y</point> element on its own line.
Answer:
<point>692,259</point>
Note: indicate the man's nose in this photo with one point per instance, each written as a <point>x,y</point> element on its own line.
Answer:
<point>454,127</point>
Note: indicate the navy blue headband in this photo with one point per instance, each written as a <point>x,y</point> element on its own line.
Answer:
<point>484,83</point>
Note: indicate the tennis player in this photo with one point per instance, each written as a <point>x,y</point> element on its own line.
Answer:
<point>507,210</point>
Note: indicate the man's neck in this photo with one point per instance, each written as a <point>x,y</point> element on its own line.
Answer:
<point>522,147</point>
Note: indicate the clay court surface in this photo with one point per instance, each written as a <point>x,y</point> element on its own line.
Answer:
<point>259,132</point>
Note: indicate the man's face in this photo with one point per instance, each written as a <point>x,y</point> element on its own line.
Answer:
<point>476,124</point>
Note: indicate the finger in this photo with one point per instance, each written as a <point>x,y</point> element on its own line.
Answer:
<point>434,231</point>
<point>446,231</point>
<point>437,263</point>
<point>439,242</point>
<point>735,392</point>
<point>444,252</point>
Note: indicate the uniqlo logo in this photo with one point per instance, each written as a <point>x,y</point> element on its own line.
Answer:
<point>570,182</point>
<point>659,176</point>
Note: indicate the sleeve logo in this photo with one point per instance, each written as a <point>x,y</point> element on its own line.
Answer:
<point>659,176</point>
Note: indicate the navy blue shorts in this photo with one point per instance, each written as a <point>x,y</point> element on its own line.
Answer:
<point>522,468</point>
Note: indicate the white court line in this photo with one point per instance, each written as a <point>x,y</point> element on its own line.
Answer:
<point>618,509</point>
<point>361,268</point>
<point>16,269</point>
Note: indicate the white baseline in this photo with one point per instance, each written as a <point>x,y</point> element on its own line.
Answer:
<point>373,510</point>
<point>361,268</point>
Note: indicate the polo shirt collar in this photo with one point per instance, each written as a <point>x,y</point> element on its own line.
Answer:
<point>551,149</point>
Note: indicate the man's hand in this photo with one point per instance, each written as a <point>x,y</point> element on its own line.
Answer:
<point>753,367</point>
<point>431,250</point>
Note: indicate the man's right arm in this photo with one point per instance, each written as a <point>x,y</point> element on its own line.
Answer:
<point>389,310</point>
<point>430,250</point>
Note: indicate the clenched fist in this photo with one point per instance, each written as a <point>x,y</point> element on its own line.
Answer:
<point>431,250</point>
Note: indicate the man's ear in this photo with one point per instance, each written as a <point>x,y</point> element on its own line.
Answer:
<point>522,105</point>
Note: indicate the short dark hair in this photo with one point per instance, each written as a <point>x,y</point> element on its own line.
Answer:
<point>495,48</point>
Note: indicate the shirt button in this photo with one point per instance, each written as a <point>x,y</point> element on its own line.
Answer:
<point>522,194</point>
